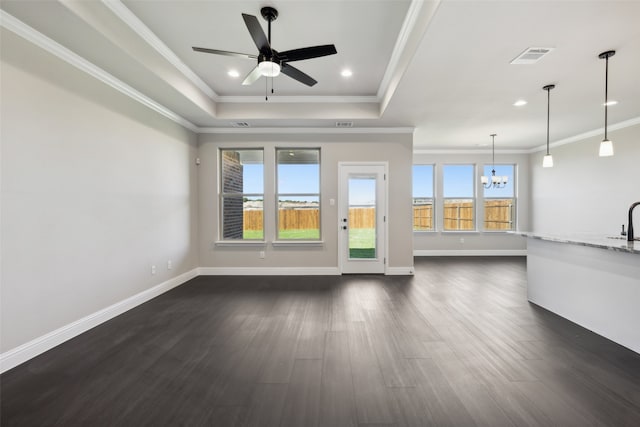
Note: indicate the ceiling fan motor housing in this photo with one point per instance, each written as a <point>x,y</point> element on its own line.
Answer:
<point>269,13</point>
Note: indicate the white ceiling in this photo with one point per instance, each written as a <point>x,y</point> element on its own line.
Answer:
<point>439,66</point>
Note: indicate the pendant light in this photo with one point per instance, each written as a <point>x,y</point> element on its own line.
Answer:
<point>547,161</point>
<point>606,146</point>
<point>495,181</point>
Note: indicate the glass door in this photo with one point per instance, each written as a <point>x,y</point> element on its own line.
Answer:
<point>362,218</point>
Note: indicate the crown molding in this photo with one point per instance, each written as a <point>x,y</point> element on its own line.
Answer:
<point>469,151</point>
<point>309,130</point>
<point>23,30</point>
<point>299,99</point>
<point>145,33</point>
<point>589,134</point>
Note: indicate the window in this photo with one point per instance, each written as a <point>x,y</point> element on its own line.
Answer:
<point>459,197</point>
<point>499,203</point>
<point>242,194</point>
<point>298,193</point>
<point>423,198</point>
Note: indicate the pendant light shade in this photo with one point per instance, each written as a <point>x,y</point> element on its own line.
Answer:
<point>606,146</point>
<point>547,161</point>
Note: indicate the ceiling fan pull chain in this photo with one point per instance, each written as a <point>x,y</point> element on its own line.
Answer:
<point>266,98</point>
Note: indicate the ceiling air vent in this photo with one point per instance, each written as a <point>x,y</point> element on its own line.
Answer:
<point>344,124</point>
<point>240,124</point>
<point>531,55</point>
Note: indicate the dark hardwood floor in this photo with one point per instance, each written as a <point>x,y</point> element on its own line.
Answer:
<point>457,344</point>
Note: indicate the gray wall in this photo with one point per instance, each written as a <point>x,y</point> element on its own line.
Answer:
<point>396,149</point>
<point>477,241</point>
<point>584,193</point>
<point>95,189</point>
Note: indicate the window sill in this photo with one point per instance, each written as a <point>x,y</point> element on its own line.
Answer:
<point>239,243</point>
<point>460,232</point>
<point>424,231</point>
<point>285,243</point>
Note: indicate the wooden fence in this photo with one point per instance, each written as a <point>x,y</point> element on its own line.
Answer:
<point>423,217</point>
<point>457,216</point>
<point>498,215</point>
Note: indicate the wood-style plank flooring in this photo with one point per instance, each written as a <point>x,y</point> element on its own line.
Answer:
<point>457,344</point>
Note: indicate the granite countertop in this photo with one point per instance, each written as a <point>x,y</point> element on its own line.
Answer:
<point>613,243</point>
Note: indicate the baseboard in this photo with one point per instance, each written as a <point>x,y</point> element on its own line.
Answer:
<point>470,252</point>
<point>269,271</point>
<point>399,271</point>
<point>33,348</point>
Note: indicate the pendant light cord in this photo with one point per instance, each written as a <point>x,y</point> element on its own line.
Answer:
<point>606,95</point>
<point>548,108</point>
<point>493,154</point>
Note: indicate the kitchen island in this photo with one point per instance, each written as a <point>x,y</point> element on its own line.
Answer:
<point>591,280</point>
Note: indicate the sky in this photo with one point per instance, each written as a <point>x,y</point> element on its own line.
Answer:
<point>457,181</point>
<point>292,179</point>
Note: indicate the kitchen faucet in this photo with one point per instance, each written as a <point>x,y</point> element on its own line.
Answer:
<point>630,227</point>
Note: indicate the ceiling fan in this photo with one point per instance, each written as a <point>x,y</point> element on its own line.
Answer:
<point>271,62</point>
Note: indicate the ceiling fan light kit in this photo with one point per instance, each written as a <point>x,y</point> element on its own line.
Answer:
<point>271,62</point>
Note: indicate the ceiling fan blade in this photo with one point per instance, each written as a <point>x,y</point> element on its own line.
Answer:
<point>224,52</point>
<point>252,76</point>
<point>307,53</point>
<point>257,33</point>
<point>298,75</point>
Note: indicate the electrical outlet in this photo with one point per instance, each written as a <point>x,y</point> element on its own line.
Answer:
<point>462,240</point>
<point>169,265</point>
<point>153,269</point>
<point>261,254</point>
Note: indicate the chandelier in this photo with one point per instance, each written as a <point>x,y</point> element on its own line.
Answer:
<point>493,181</point>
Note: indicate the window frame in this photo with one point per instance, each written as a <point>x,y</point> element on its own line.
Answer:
<point>514,210</point>
<point>278,238</point>
<point>473,198</point>
<point>432,198</point>
<point>222,195</point>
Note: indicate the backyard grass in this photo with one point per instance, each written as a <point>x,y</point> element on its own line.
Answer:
<point>362,243</point>
<point>361,240</point>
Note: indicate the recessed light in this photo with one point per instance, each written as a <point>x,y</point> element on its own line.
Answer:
<point>233,73</point>
<point>520,103</point>
<point>346,73</point>
<point>610,103</point>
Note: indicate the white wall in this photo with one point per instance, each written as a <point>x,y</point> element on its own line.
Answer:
<point>95,189</point>
<point>393,148</point>
<point>476,242</point>
<point>584,193</point>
